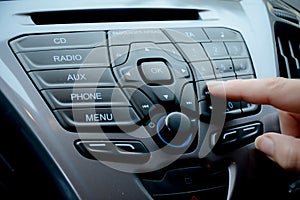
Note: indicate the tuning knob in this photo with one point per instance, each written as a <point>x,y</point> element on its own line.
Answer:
<point>175,130</point>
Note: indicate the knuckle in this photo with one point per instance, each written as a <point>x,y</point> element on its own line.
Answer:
<point>291,158</point>
<point>274,85</point>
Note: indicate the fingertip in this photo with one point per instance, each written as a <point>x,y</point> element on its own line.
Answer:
<point>215,87</point>
<point>256,142</point>
<point>265,144</point>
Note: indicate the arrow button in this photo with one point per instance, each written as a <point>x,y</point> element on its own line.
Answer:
<point>181,71</point>
<point>130,74</point>
<point>164,94</point>
<point>188,98</point>
<point>141,102</point>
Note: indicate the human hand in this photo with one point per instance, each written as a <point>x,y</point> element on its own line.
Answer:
<point>284,94</point>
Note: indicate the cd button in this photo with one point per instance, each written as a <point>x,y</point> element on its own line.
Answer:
<point>59,41</point>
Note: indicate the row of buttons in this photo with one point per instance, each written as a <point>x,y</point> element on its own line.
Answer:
<point>92,51</point>
<point>232,51</point>
<point>95,58</point>
<point>73,71</point>
<point>114,151</point>
<point>235,137</point>
<point>232,109</point>
<point>78,40</point>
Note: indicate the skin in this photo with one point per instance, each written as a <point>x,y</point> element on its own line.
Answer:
<point>283,94</point>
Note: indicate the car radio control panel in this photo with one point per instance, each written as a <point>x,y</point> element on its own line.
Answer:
<point>113,98</point>
<point>110,81</point>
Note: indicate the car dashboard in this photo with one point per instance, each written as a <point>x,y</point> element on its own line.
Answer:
<point>108,99</point>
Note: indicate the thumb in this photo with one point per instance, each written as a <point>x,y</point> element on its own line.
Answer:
<point>282,149</point>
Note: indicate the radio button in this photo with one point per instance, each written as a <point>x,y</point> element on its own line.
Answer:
<point>96,57</point>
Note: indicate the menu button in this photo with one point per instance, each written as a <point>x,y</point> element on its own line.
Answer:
<point>93,118</point>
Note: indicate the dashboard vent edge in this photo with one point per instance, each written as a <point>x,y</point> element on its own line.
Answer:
<point>285,14</point>
<point>288,49</point>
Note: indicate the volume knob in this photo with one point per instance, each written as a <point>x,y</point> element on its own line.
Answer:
<point>175,130</point>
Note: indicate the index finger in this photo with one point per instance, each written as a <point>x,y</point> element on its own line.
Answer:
<point>281,93</point>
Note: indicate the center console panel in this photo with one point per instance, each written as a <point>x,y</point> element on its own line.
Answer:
<point>117,95</point>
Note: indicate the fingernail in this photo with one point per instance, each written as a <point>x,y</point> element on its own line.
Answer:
<point>265,144</point>
<point>214,83</point>
<point>215,86</point>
